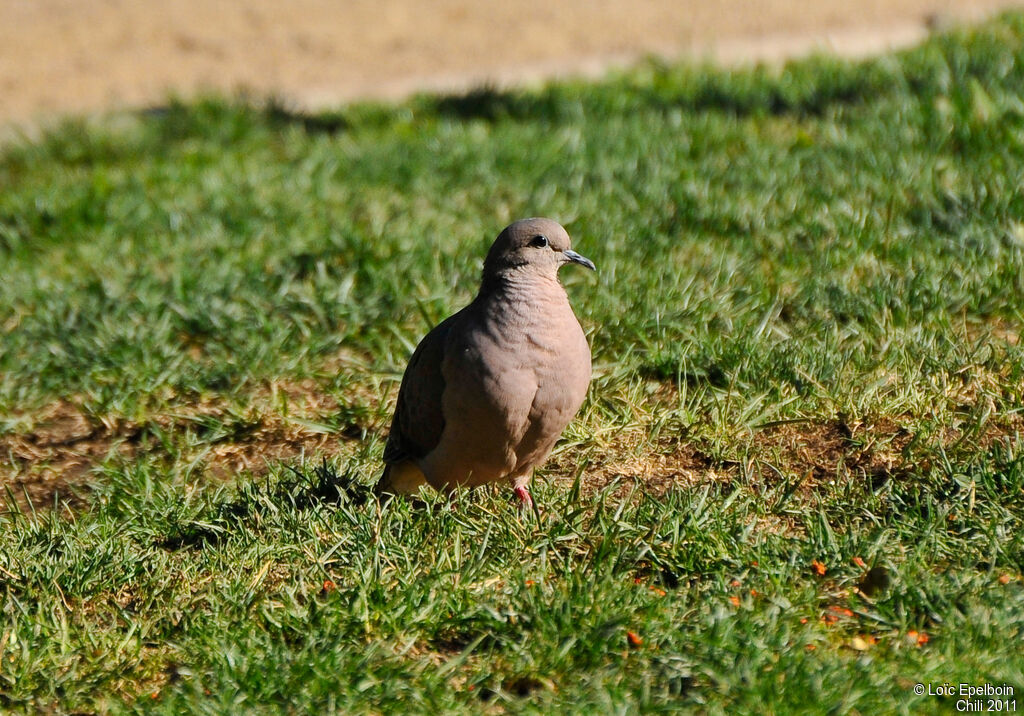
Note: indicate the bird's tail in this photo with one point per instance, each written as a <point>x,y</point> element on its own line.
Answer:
<point>400,478</point>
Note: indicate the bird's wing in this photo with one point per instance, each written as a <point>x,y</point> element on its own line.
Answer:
<point>419,419</point>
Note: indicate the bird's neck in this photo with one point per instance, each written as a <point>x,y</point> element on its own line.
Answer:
<point>519,287</point>
<point>519,297</point>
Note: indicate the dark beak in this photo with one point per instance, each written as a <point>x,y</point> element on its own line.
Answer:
<point>581,260</point>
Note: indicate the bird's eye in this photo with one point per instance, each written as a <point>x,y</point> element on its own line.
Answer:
<point>540,242</point>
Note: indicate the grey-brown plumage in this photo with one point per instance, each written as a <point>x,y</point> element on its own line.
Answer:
<point>488,391</point>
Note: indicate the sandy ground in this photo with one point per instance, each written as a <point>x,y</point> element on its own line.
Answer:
<point>61,56</point>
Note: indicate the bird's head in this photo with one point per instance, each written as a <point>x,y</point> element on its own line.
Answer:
<point>531,247</point>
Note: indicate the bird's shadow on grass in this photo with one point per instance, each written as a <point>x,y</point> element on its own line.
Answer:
<point>299,490</point>
<point>324,485</point>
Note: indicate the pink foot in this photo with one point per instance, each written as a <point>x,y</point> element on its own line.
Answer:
<point>523,494</point>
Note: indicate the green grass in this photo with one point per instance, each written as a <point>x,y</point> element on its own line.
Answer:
<point>805,328</point>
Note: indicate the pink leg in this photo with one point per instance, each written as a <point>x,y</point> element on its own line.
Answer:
<point>525,501</point>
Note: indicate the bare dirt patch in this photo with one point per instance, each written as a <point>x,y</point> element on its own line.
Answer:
<point>51,461</point>
<point>812,452</point>
<point>60,56</point>
<point>655,473</point>
<point>45,463</point>
<point>816,452</point>
<point>52,456</point>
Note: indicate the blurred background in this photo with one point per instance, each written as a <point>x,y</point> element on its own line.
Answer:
<point>73,56</point>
